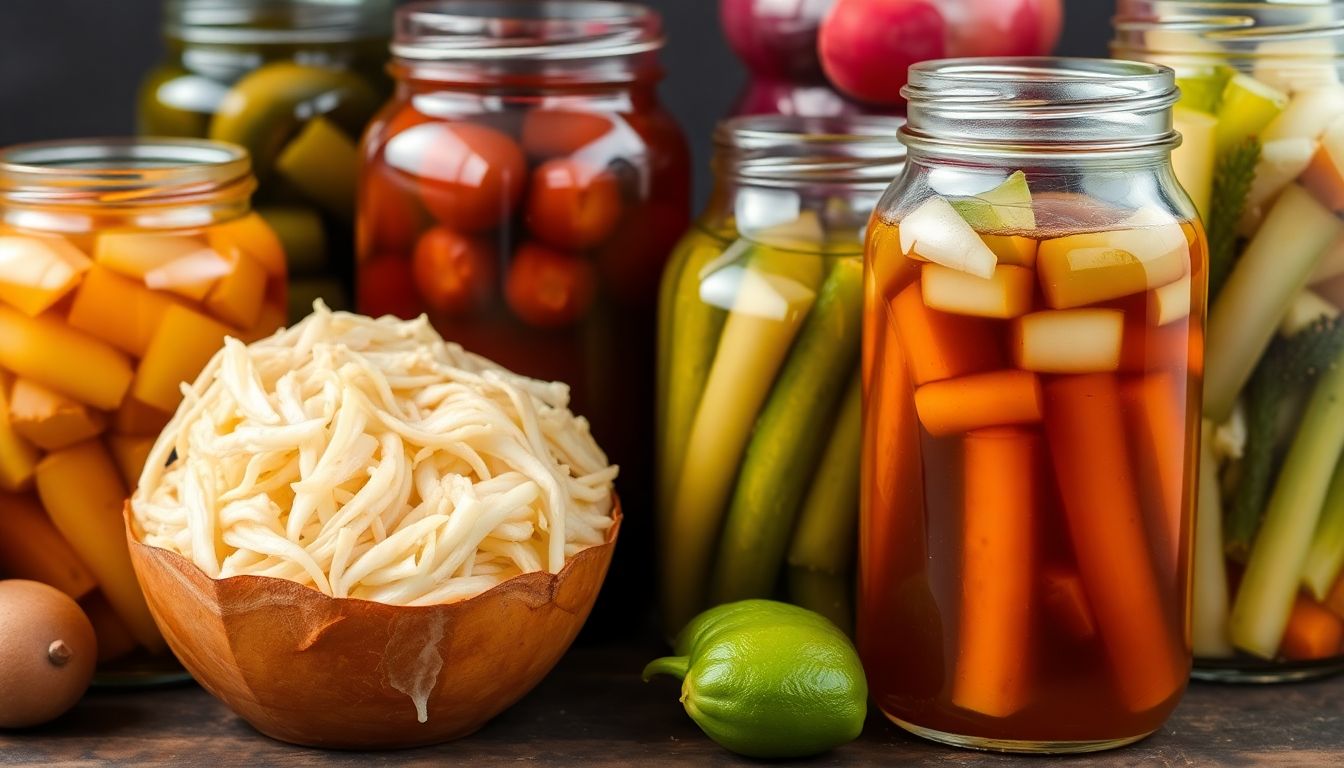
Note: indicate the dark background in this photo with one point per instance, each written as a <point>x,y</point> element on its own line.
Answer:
<point>70,68</point>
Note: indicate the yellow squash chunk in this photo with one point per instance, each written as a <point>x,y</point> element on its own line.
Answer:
<point>130,451</point>
<point>36,272</point>
<point>182,345</point>
<point>237,297</point>
<point>84,495</point>
<point>182,264</point>
<point>18,457</point>
<point>32,548</point>
<point>271,319</point>
<point>1147,252</point>
<point>254,236</point>
<point>1069,340</point>
<point>1005,295</point>
<point>136,418</point>
<point>1013,249</point>
<point>118,310</point>
<point>1169,303</point>
<point>49,419</point>
<point>53,354</point>
<point>322,163</point>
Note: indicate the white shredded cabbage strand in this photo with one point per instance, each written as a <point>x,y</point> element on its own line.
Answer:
<point>372,459</point>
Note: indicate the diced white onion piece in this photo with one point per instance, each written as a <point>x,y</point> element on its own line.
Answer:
<point>936,232</point>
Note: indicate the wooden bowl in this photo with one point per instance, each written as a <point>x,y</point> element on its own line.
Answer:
<point>319,671</point>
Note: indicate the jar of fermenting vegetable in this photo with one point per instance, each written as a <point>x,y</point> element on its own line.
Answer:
<point>1262,112</point>
<point>523,188</point>
<point>295,82</point>
<point>1034,307</point>
<point>123,266</point>
<point>759,348</point>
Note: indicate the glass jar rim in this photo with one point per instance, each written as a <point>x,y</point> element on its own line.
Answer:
<point>276,22</point>
<point>123,172</point>
<point>1228,30</point>
<point>1037,105</point>
<point>552,30</point>
<point>786,150</point>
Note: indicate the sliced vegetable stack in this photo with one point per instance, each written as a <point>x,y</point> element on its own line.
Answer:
<point>1029,462</point>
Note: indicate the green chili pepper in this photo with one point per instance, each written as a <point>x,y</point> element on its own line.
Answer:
<point>768,680</point>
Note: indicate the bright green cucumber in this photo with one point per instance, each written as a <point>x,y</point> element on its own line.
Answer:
<point>788,439</point>
<point>823,539</point>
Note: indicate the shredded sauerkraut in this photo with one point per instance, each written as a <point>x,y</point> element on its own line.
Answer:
<point>372,459</point>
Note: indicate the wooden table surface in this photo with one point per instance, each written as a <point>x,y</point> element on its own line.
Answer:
<point>593,710</point>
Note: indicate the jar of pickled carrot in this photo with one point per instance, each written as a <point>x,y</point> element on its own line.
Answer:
<point>759,347</point>
<point>1034,308</point>
<point>524,188</point>
<point>294,82</point>
<point>1262,112</point>
<point>123,266</point>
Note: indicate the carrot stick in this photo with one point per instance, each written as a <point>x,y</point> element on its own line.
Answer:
<point>992,669</point>
<point>1096,485</point>
<point>31,548</point>
<point>966,403</point>
<point>1066,604</point>
<point>1312,632</point>
<point>1174,346</point>
<point>1155,411</point>
<point>939,345</point>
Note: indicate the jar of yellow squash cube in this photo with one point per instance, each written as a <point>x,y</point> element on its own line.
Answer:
<point>123,266</point>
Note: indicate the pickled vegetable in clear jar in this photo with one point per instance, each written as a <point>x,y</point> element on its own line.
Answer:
<point>1262,113</point>
<point>294,82</point>
<point>759,346</point>
<point>124,264</point>
<point>1034,305</point>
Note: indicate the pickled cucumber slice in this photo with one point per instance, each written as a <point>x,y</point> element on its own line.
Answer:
<point>1006,207</point>
<point>323,164</point>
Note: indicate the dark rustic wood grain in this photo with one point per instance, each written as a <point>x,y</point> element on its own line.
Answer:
<point>594,711</point>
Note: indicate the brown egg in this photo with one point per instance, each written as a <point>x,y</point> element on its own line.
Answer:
<point>47,653</point>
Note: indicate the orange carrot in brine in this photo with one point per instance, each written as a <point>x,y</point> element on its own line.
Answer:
<point>1313,632</point>
<point>1175,347</point>
<point>1096,485</point>
<point>939,345</point>
<point>993,665</point>
<point>1066,603</point>
<point>966,403</point>
<point>1155,413</point>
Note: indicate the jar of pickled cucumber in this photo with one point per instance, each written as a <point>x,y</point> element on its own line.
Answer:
<point>759,346</point>
<point>123,266</point>
<point>1034,309</point>
<point>1262,112</point>
<point>523,188</point>
<point>294,82</point>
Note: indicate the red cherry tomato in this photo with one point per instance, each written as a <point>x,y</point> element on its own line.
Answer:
<point>557,132</point>
<point>454,273</point>
<point>470,176</point>
<point>549,288</point>
<point>572,206</point>
<point>385,287</point>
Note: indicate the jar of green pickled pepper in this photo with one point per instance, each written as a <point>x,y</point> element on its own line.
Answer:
<point>294,82</point>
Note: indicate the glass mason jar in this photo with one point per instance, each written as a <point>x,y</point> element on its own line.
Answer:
<point>1262,112</point>
<point>123,265</point>
<point>759,348</point>
<point>524,188</point>
<point>1034,311</point>
<point>294,82</point>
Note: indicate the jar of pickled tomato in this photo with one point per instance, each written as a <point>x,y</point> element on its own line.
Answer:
<point>1262,111</point>
<point>294,82</point>
<point>758,380</point>
<point>1034,313</point>
<point>124,264</point>
<point>524,188</point>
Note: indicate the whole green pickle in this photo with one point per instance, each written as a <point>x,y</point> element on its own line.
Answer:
<point>768,680</point>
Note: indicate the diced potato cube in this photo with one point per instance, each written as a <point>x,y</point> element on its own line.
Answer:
<point>254,236</point>
<point>31,548</point>
<point>53,354</point>
<point>130,451</point>
<point>1005,295</point>
<point>936,232</point>
<point>18,457</point>
<point>35,272</point>
<point>49,419</point>
<point>118,310</point>
<point>322,163</point>
<point>237,297</point>
<point>136,418</point>
<point>1169,303</point>
<point>1069,340</point>
<point>1016,250</point>
<point>182,264</point>
<point>183,343</point>
<point>1148,251</point>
